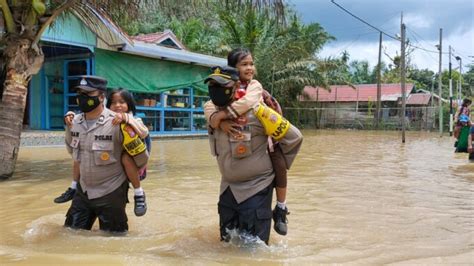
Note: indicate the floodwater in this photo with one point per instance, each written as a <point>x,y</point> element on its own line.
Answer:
<point>356,197</point>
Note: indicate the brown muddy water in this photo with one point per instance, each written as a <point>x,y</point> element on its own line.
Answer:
<point>355,197</point>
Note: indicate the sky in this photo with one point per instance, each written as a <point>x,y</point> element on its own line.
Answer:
<point>423,19</point>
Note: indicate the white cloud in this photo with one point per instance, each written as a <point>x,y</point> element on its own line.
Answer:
<point>360,51</point>
<point>416,21</point>
<point>463,44</point>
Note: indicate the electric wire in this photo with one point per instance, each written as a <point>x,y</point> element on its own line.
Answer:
<point>379,30</point>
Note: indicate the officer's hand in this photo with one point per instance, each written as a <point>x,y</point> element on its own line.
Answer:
<point>217,117</point>
<point>470,150</point>
<point>230,127</point>
<point>119,118</point>
<point>68,117</point>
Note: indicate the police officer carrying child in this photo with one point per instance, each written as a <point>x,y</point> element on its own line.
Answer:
<point>98,146</point>
<point>247,174</point>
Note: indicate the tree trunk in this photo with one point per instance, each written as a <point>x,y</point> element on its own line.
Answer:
<point>21,62</point>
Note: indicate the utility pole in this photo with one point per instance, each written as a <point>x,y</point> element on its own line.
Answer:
<point>450,96</point>
<point>458,58</point>
<point>402,79</point>
<point>432,89</point>
<point>440,48</point>
<point>379,85</point>
<point>357,100</point>
<point>432,99</point>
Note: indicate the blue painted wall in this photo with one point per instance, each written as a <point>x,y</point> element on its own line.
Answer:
<point>70,30</point>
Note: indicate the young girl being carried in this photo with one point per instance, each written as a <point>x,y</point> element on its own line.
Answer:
<point>120,101</point>
<point>250,94</point>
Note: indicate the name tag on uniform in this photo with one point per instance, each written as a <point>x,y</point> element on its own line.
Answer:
<point>103,137</point>
<point>74,143</point>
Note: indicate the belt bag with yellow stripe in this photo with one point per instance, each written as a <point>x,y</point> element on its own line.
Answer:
<point>132,143</point>
<point>275,125</point>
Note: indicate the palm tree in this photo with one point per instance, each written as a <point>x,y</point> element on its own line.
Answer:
<point>285,55</point>
<point>21,54</point>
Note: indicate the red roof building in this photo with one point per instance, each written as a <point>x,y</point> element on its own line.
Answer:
<point>166,38</point>
<point>419,99</point>
<point>361,93</point>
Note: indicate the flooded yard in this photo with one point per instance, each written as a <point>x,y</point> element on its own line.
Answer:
<point>358,197</point>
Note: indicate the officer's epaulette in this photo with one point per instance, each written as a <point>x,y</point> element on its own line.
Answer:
<point>79,117</point>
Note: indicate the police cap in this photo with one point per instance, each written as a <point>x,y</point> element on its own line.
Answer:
<point>223,75</point>
<point>91,83</point>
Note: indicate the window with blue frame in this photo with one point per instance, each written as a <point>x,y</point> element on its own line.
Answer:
<point>73,69</point>
<point>174,111</point>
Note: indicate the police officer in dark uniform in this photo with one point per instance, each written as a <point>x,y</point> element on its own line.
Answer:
<point>97,145</point>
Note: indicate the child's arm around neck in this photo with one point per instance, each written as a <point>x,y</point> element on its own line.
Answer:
<point>251,98</point>
<point>137,124</point>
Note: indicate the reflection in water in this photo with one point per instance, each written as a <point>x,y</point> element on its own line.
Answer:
<point>354,196</point>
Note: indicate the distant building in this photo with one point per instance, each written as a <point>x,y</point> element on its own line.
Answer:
<point>345,105</point>
<point>360,96</point>
<point>419,99</point>
<point>166,38</point>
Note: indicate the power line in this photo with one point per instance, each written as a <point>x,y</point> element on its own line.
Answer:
<point>459,55</point>
<point>416,39</point>
<point>379,30</point>
<point>365,22</point>
<point>421,38</point>
<point>422,48</point>
<point>464,53</point>
<point>348,45</point>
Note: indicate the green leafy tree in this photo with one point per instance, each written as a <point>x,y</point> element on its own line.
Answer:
<point>373,73</point>
<point>283,47</point>
<point>286,59</point>
<point>455,77</point>
<point>422,78</point>
<point>468,81</point>
<point>337,71</point>
<point>360,73</point>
